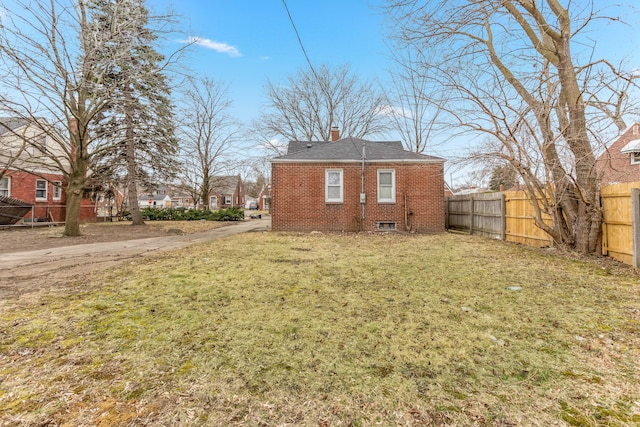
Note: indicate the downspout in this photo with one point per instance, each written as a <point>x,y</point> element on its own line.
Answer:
<point>362,195</point>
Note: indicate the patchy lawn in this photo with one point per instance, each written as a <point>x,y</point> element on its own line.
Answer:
<point>44,237</point>
<point>330,330</point>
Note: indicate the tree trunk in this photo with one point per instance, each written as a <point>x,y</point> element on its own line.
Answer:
<point>132,190</point>
<point>74,192</point>
<point>205,190</point>
<point>72,214</point>
<point>588,222</point>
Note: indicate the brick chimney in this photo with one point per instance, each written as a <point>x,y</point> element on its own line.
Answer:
<point>335,134</point>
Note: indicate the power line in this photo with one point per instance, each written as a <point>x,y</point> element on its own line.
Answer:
<point>284,2</point>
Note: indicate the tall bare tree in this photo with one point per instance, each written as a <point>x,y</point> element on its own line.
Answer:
<point>509,69</point>
<point>413,102</point>
<point>209,136</point>
<point>314,101</point>
<point>49,76</point>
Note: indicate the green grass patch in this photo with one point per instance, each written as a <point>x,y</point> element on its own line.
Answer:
<point>299,329</point>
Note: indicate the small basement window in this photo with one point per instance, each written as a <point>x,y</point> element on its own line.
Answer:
<point>386,226</point>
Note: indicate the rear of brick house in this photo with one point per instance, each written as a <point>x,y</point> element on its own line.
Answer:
<point>356,185</point>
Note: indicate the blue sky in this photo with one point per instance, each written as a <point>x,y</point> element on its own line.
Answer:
<point>247,42</point>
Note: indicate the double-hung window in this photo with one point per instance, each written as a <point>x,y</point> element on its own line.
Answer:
<point>41,189</point>
<point>5,187</point>
<point>228,200</point>
<point>386,186</point>
<point>334,186</point>
<point>57,191</point>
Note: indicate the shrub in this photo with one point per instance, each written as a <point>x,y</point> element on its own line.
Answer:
<point>156,214</point>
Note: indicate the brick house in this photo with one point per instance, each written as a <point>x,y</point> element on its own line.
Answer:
<point>226,192</point>
<point>620,162</point>
<point>352,184</point>
<point>264,198</point>
<point>29,176</point>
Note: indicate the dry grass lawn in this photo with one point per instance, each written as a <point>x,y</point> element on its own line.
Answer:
<point>269,329</point>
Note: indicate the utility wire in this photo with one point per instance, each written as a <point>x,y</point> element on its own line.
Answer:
<point>284,2</point>
<point>313,70</point>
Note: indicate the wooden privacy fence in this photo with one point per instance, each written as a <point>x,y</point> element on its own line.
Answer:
<point>520,221</point>
<point>510,216</point>
<point>621,222</point>
<point>481,214</point>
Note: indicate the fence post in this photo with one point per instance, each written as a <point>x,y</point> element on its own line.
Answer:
<point>503,216</point>
<point>446,213</point>
<point>635,225</point>
<point>471,214</point>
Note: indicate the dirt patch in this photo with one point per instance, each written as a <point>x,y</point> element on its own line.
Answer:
<point>38,261</point>
<point>45,237</point>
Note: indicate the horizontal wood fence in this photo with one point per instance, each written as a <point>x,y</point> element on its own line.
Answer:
<point>510,216</point>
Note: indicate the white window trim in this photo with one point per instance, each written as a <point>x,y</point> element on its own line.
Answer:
<point>327,199</point>
<point>228,200</point>
<point>8,189</point>
<point>57,191</point>
<point>393,186</point>
<point>213,202</point>
<point>46,188</point>
<point>635,158</point>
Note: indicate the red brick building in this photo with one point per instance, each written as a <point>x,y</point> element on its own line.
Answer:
<point>621,160</point>
<point>26,174</point>
<point>356,185</point>
<point>226,192</point>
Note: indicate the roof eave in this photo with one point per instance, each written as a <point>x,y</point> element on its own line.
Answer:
<point>631,147</point>
<point>276,160</point>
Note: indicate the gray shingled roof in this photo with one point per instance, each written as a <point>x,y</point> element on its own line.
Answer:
<point>11,123</point>
<point>224,184</point>
<point>350,149</point>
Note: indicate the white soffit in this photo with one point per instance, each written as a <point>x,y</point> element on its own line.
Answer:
<point>631,147</point>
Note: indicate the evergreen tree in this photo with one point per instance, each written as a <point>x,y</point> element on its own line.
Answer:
<point>139,119</point>
<point>503,175</point>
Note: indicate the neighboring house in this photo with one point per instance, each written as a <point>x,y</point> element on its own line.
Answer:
<point>226,192</point>
<point>352,184</point>
<point>470,190</point>
<point>109,205</point>
<point>28,175</point>
<point>160,201</point>
<point>264,198</point>
<point>448,192</point>
<point>182,200</point>
<point>621,160</point>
